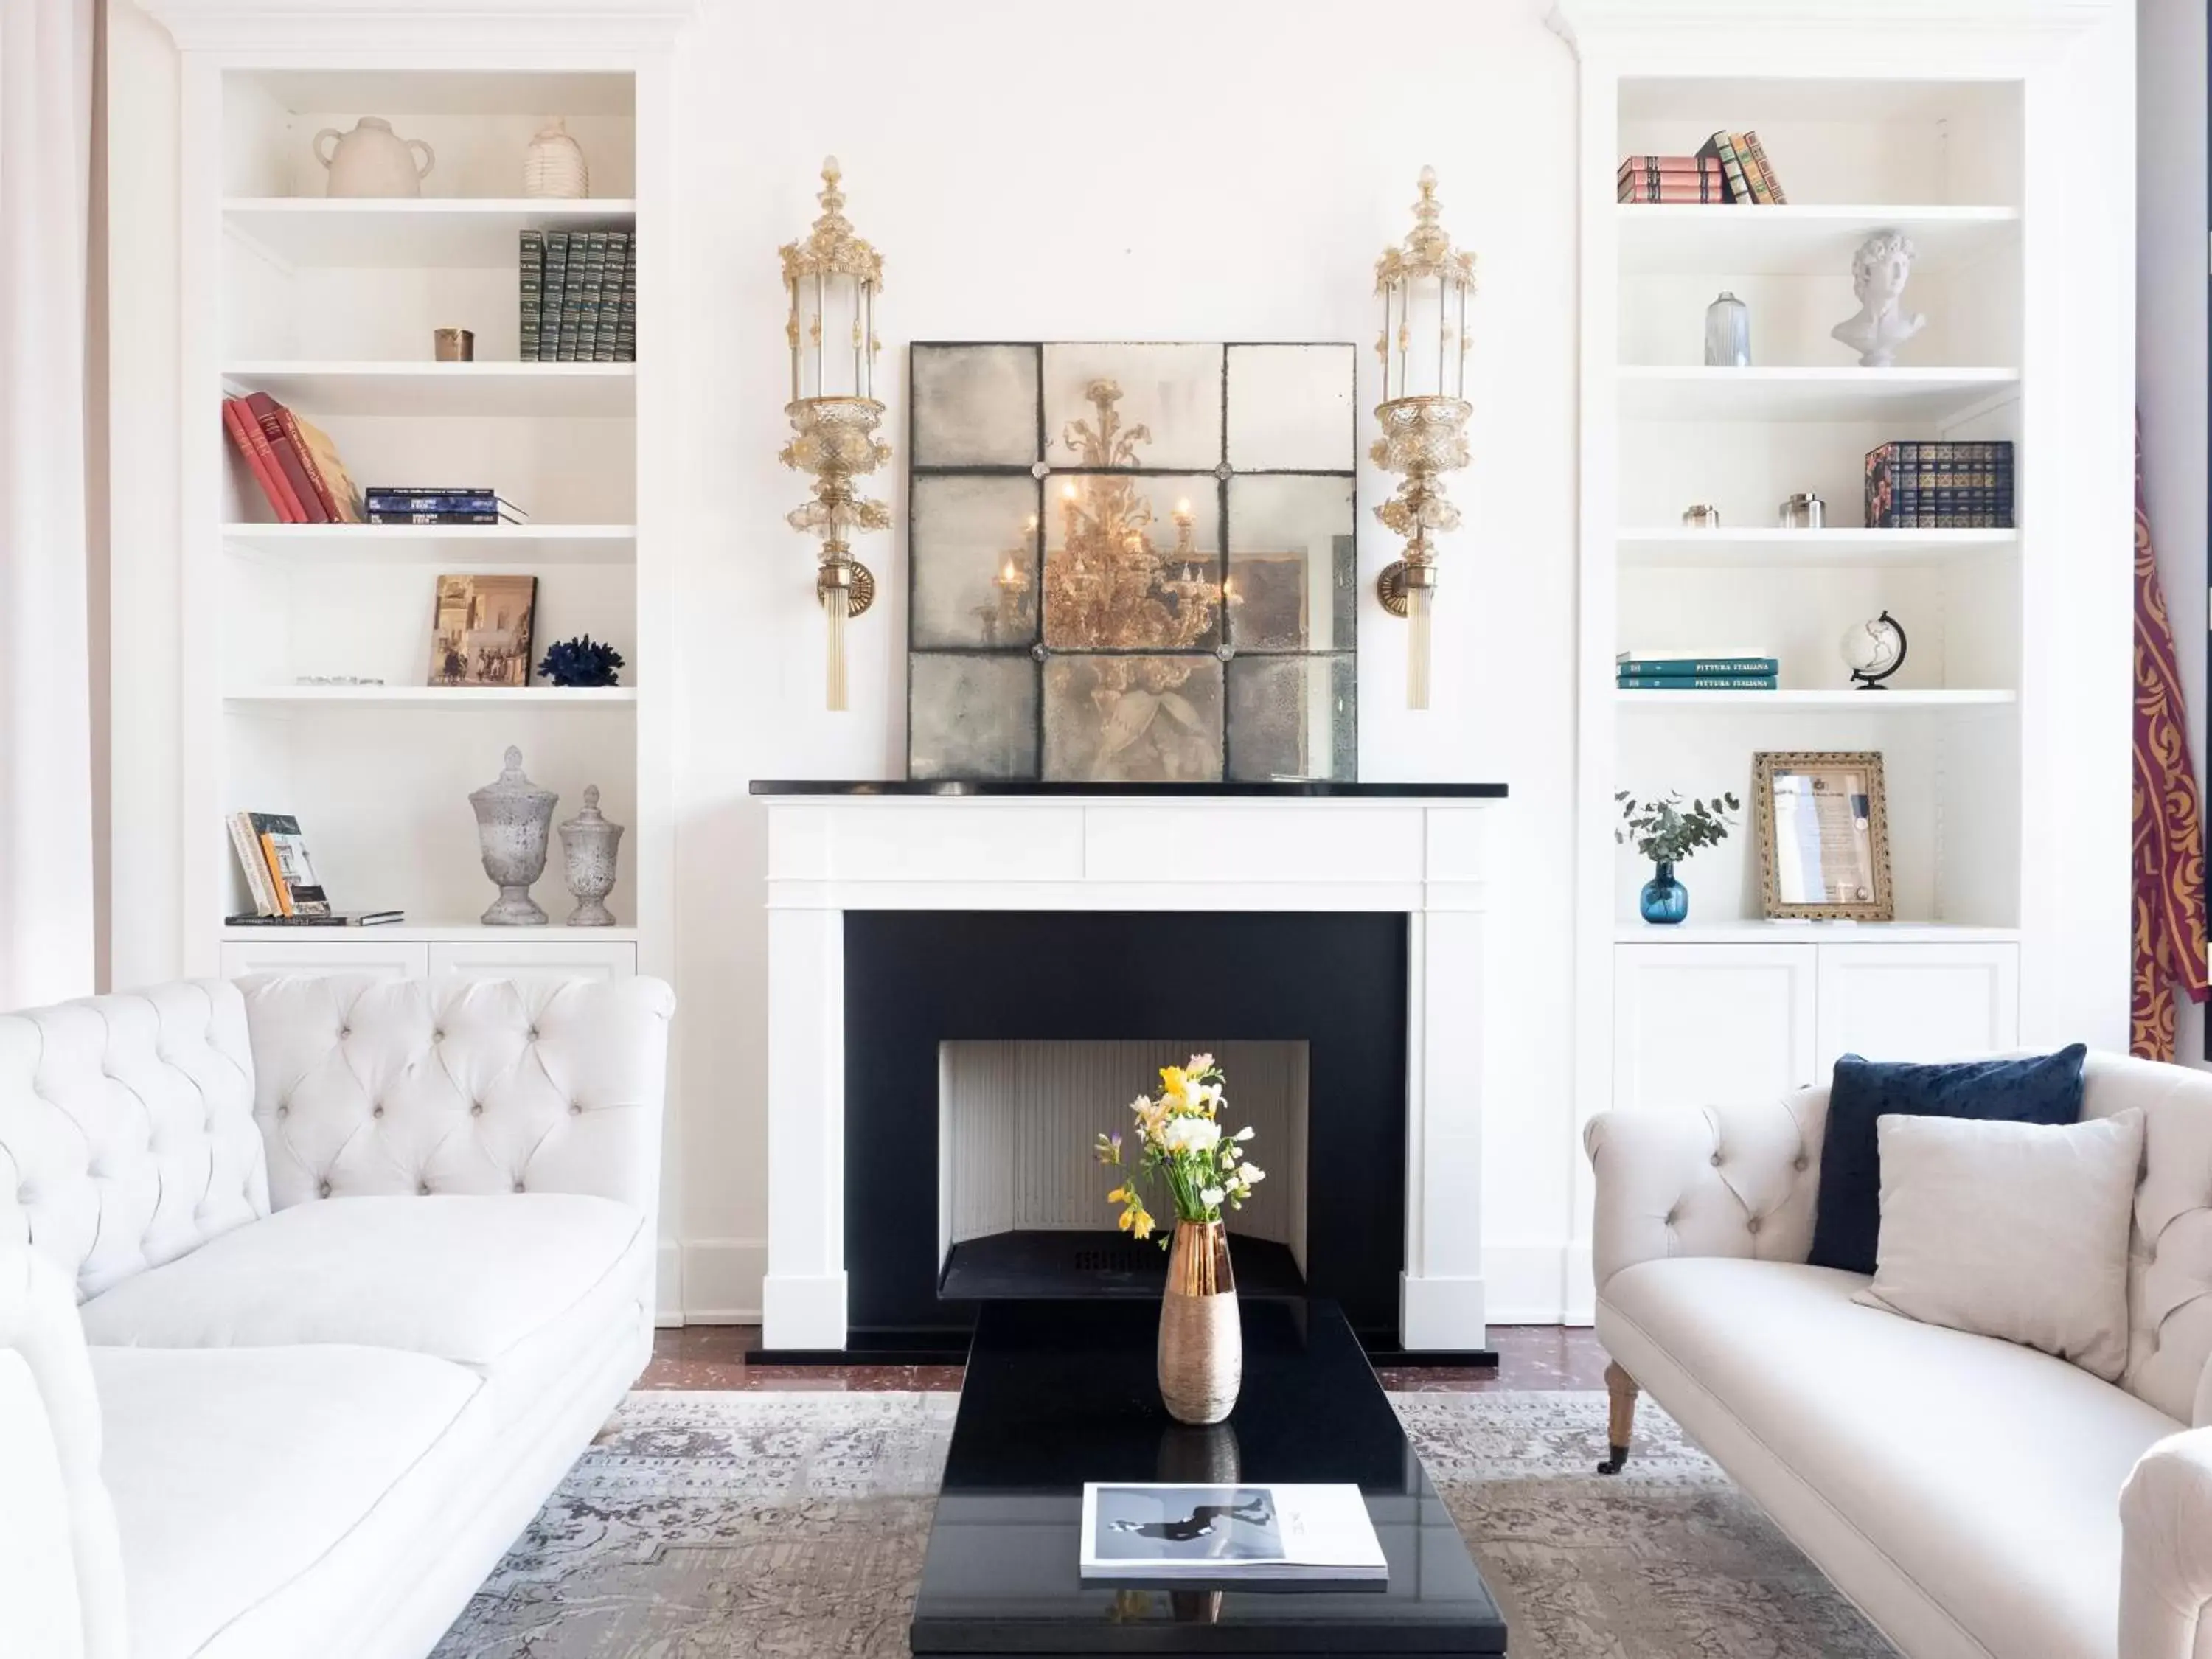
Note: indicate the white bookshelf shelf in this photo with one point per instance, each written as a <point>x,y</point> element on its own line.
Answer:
<point>410,932</point>
<point>1811,549</point>
<point>597,390</point>
<point>1729,239</point>
<point>1754,932</point>
<point>1841,700</point>
<point>439,696</point>
<point>1665,393</point>
<point>436,231</point>
<point>451,545</point>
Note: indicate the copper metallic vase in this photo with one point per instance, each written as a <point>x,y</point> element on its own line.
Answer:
<point>1201,1358</point>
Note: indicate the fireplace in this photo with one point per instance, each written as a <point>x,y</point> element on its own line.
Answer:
<point>985,1049</point>
<point>1331,940</point>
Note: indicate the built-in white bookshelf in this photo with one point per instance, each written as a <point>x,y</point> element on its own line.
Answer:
<point>308,661</point>
<point>1923,120</point>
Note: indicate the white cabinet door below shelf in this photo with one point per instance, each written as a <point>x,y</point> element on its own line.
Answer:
<point>386,958</point>
<point>1711,1025</point>
<point>537,959</point>
<point>1917,1001</point>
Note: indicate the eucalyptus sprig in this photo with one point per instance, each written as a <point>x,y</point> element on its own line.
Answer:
<point>1665,832</point>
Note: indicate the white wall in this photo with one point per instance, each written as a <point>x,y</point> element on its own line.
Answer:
<point>1226,171</point>
<point>2170,362</point>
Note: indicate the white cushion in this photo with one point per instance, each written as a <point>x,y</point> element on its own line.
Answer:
<point>467,1280</point>
<point>39,1612</point>
<point>236,1470</point>
<point>2014,1231</point>
<point>1962,1490</point>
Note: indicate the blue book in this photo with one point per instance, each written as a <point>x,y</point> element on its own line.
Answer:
<point>1669,667</point>
<point>1701,683</point>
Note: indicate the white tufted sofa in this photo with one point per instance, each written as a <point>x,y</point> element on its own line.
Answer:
<point>309,1291</point>
<point>1966,1494</point>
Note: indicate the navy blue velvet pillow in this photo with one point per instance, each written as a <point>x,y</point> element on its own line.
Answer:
<point>1847,1219</point>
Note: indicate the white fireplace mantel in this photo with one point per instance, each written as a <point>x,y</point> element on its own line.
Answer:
<point>1427,858</point>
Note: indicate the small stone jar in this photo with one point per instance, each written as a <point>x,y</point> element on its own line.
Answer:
<point>589,842</point>
<point>513,818</point>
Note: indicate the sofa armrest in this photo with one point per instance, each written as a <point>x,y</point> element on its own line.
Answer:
<point>1734,1180</point>
<point>367,1086</point>
<point>2166,1551</point>
<point>61,1559</point>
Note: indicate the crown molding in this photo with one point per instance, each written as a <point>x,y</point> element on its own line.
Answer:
<point>534,26</point>
<point>1588,25</point>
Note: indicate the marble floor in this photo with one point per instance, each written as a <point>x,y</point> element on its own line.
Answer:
<point>719,1357</point>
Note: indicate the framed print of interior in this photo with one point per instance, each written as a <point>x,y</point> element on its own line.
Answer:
<point>1131,562</point>
<point>1823,835</point>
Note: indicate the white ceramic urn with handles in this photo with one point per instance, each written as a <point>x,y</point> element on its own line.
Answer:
<point>372,160</point>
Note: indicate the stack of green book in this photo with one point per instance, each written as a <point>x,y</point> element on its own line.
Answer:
<point>1680,671</point>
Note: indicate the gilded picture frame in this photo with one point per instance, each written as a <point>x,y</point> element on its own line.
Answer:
<point>1823,822</point>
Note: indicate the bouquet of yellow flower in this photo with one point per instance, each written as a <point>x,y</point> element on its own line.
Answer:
<point>1179,1133</point>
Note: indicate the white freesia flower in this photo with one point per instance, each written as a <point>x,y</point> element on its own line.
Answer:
<point>1212,1197</point>
<point>1200,1063</point>
<point>1252,1174</point>
<point>1191,1134</point>
<point>1246,1133</point>
<point>1205,1095</point>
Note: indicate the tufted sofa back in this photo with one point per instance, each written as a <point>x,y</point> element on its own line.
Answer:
<point>367,1086</point>
<point>2170,1252</point>
<point>126,1129</point>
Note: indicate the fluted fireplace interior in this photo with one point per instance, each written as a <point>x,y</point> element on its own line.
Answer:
<point>984,1052</point>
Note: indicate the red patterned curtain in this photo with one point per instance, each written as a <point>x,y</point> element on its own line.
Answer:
<point>2169,834</point>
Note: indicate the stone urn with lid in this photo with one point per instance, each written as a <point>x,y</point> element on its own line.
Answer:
<point>513,819</point>
<point>588,844</point>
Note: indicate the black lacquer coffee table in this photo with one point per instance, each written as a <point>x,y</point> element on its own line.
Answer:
<point>1059,1393</point>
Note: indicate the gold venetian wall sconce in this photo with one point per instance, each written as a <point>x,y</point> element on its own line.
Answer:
<point>1424,284</point>
<point>833,277</point>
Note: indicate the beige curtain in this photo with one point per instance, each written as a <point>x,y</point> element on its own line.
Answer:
<point>47,916</point>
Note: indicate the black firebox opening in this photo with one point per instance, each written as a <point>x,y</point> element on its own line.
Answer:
<point>1335,982</point>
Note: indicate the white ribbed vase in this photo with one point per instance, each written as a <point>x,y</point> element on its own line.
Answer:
<point>554,163</point>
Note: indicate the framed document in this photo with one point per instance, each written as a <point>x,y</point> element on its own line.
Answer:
<point>1823,835</point>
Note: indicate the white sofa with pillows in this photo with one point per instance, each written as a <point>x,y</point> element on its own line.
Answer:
<point>311,1290</point>
<point>1977,1498</point>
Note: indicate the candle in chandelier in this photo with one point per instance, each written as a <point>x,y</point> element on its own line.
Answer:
<point>1068,512</point>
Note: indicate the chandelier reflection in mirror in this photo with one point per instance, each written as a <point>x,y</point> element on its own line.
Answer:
<point>1132,563</point>
<point>1425,284</point>
<point>832,279</point>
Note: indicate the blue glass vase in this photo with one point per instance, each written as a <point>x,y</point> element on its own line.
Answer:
<point>1663,900</point>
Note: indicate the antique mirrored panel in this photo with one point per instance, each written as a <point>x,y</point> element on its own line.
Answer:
<point>1139,554</point>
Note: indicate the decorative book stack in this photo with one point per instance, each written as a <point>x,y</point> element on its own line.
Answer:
<point>292,461</point>
<point>1679,671</point>
<point>1744,167</point>
<point>1671,179</point>
<point>579,294</point>
<point>282,877</point>
<point>1916,485</point>
<point>441,504</point>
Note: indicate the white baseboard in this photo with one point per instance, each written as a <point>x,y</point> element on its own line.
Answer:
<point>1538,1283</point>
<point>722,1280</point>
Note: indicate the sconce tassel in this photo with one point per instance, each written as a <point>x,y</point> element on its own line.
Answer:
<point>1419,602</point>
<point>832,606</point>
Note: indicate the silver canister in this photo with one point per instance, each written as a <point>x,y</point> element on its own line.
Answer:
<point>1804,512</point>
<point>1701,517</point>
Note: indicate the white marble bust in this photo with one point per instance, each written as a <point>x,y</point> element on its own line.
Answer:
<point>1879,271</point>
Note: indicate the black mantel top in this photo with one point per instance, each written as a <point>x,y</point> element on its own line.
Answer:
<point>1291,789</point>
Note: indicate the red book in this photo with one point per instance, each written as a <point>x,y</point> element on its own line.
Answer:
<point>1641,165</point>
<point>246,433</point>
<point>269,412</point>
<point>286,419</point>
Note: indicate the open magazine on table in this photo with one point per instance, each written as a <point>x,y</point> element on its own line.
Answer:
<point>1249,1533</point>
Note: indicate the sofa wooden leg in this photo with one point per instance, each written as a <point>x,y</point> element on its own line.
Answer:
<point>1620,1418</point>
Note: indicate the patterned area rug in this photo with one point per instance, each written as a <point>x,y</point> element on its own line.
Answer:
<point>734,1525</point>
